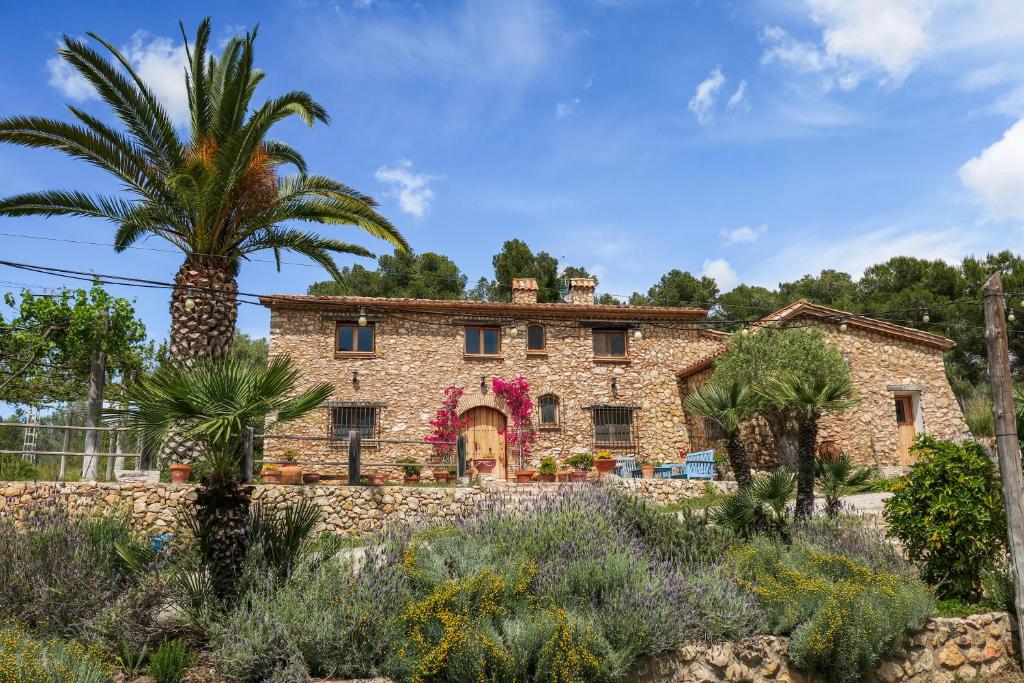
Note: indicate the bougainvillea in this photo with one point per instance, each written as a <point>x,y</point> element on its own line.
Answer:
<point>516,394</point>
<point>446,423</point>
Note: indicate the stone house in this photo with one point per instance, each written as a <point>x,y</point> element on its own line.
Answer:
<point>901,383</point>
<point>603,377</point>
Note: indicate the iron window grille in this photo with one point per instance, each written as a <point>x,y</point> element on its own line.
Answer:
<point>548,411</point>
<point>615,428</point>
<point>362,417</point>
<point>713,430</point>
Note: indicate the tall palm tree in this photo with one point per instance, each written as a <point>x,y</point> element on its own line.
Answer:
<point>218,400</point>
<point>217,194</point>
<point>728,406</point>
<point>808,398</point>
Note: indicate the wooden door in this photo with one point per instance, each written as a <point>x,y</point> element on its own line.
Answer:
<point>905,425</point>
<point>484,436</point>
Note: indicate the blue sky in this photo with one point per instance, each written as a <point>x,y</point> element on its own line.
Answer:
<point>752,141</point>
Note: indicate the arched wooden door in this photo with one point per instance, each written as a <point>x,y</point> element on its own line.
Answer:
<point>484,436</point>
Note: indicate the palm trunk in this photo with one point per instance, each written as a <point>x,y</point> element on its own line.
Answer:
<point>207,330</point>
<point>808,441</point>
<point>784,436</point>
<point>222,515</point>
<point>738,459</point>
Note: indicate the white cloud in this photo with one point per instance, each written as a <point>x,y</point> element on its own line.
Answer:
<point>721,272</point>
<point>703,101</point>
<point>743,235</point>
<point>412,190</point>
<point>739,98</point>
<point>996,176</point>
<point>159,62</point>
<point>787,50</point>
<point>568,108</point>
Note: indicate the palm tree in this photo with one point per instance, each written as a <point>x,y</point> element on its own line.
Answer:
<point>838,478</point>
<point>808,399</point>
<point>217,401</point>
<point>218,195</point>
<point>728,406</point>
<point>760,507</point>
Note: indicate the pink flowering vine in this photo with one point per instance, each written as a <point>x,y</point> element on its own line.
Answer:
<point>516,395</point>
<point>446,423</point>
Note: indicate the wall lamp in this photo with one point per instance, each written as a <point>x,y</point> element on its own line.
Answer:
<point>615,387</point>
<point>362,317</point>
<point>483,384</point>
<point>355,379</point>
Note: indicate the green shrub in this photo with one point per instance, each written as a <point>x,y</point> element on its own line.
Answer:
<point>978,413</point>
<point>580,461</point>
<point>548,466</point>
<point>948,515</point>
<point>410,467</point>
<point>26,659</point>
<point>759,507</point>
<point>13,468</point>
<point>170,661</point>
<point>842,617</point>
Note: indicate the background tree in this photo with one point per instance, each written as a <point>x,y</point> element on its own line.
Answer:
<point>253,350</point>
<point>680,288</point>
<point>746,302</point>
<point>728,406</point>
<point>403,274</point>
<point>776,352</point>
<point>829,288</point>
<point>516,259</point>
<point>808,398</point>
<point>217,195</point>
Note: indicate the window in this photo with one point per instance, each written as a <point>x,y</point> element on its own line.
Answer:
<point>548,407</point>
<point>615,426</point>
<point>712,430</point>
<point>536,339</point>
<point>362,418</point>
<point>483,341</point>
<point>352,338</point>
<point>609,343</point>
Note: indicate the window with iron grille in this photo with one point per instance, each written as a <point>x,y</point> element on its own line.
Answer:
<point>364,418</point>
<point>713,430</point>
<point>615,427</point>
<point>547,407</point>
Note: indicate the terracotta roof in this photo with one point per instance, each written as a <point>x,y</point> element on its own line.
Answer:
<point>804,309</point>
<point>560,310</point>
<point>699,366</point>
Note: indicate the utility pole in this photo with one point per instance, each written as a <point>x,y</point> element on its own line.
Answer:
<point>97,382</point>
<point>1007,444</point>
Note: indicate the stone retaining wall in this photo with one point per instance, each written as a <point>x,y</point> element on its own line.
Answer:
<point>944,651</point>
<point>346,510</point>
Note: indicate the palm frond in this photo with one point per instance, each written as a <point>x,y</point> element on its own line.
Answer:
<point>727,405</point>
<point>66,203</point>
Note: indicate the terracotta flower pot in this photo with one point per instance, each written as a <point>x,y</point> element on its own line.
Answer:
<point>378,478</point>
<point>291,474</point>
<point>524,476</point>
<point>310,478</point>
<point>578,475</point>
<point>548,478</point>
<point>647,471</point>
<point>604,466</point>
<point>564,476</point>
<point>271,476</point>
<point>484,465</point>
<point>441,476</point>
<point>180,472</point>
<point>411,479</point>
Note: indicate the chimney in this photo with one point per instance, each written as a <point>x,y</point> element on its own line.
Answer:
<point>524,290</point>
<point>581,290</point>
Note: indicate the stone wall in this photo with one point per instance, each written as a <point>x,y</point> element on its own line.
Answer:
<point>418,354</point>
<point>945,650</point>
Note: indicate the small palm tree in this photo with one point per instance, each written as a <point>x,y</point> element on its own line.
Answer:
<point>760,507</point>
<point>838,478</point>
<point>728,406</point>
<point>215,402</point>
<point>808,399</point>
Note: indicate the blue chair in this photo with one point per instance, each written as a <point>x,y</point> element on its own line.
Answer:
<point>700,465</point>
<point>669,471</point>
<point>626,468</point>
<point>159,542</point>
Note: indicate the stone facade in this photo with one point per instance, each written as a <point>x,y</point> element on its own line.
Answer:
<point>419,350</point>
<point>885,361</point>
<point>945,650</point>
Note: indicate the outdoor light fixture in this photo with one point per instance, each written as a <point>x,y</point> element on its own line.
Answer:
<point>638,334</point>
<point>615,386</point>
<point>1010,316</point>
<point>355,379</point>
<point>483,384</point>
<point>925,317</point>
<point>362,317</point>
<point>745,331</point>
<point>842,325</point>
<point>513,331</point>
<point>190,303</point>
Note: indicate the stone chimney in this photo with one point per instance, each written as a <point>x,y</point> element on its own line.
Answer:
<point>524,290</point>
<point>581,290</point>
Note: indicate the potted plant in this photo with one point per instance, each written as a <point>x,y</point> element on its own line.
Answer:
<point>271,474</point>
<point>604,462</point>
<point>310,478</point>
<point>564,476</point>
<point>378,478</point>
<point>411,469</point>
<point>441,475</point>
<point>547,470</point>
<point>524,476</point>
<point>485,464</point>
<point>721,466</point>
<point>581,463</point>
<point>452,474</point>
<point>291,472</point>
<point>180,472</point>
<point>646,469</point>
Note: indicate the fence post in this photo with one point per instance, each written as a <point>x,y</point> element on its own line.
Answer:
<point>66,447</point>
<point>246,465</point>
<point>354,451</point>
<point>460,457</point>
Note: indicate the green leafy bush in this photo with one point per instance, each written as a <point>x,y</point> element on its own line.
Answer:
<point>13,468</point>
<point>27,659</point>
<point>948,515</point>
<point>580,461</point>
<point>759,507</point>
<point>842,617</point>
<point>548,466</point>
<point>170,661</point>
